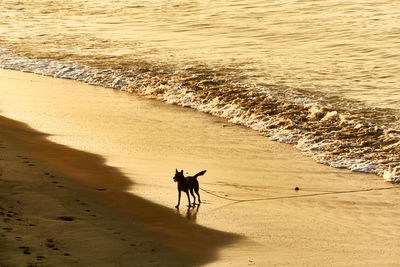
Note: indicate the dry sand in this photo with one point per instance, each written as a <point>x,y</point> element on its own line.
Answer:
<point>337,218</point>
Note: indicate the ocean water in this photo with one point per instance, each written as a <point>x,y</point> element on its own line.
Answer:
<point>321,75</point>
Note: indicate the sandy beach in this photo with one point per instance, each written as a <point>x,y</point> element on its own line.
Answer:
<point>81,190</point>
<point>61,207</point>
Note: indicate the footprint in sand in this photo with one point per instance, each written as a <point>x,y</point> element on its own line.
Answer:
<point>67,218</point>
<point>26,249</point>
<point>40,257</point>
<point>26,161</point>
<point>101,189</point>
<point>50,244</point>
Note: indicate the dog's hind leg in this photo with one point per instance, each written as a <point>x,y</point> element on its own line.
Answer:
<point>187,193</point>
<point>196,189</point>
<point>179,198</point>
<point>194,198</point>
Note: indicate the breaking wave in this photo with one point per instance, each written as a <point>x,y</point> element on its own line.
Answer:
<point>335,133</point>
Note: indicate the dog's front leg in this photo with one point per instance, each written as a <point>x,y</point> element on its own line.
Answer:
<point>179,198</point>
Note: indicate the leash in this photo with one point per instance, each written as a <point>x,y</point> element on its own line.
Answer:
<point>227,198</point>
<point>299,196</point>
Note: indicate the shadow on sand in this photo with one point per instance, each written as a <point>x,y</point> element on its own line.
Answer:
<point>195,243</point>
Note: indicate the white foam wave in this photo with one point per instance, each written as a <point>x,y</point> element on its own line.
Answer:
<point>319,137</point>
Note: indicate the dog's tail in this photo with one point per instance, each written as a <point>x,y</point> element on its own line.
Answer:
<point>200,173</point>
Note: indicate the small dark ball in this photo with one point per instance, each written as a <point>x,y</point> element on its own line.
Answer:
<point>296,188</point>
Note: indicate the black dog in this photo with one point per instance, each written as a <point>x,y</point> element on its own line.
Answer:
<point>187,184</point>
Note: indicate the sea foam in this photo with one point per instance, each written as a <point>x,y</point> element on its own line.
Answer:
<point>337,136</point>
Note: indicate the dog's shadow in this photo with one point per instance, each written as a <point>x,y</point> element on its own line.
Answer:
<point>191,213</point>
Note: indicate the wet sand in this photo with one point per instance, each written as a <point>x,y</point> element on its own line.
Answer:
<point>337,218</point>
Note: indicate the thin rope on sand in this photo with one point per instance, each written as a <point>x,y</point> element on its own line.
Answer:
<point>298,196</point>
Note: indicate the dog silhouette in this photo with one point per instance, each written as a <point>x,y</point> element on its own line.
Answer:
<point>187,184</point>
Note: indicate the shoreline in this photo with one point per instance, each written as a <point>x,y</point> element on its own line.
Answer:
<point>341,135</point>
<point>47,188</point>
<point>145,140</point>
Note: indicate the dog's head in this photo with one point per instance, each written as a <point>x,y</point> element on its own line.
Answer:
<point>178,175</point>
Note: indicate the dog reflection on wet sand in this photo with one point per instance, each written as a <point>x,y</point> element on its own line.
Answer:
<point>190,214</point>
<point>187,184</point>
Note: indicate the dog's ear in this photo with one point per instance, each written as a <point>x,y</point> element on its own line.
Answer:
<point>176,170</point>
<point>182,171</point>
